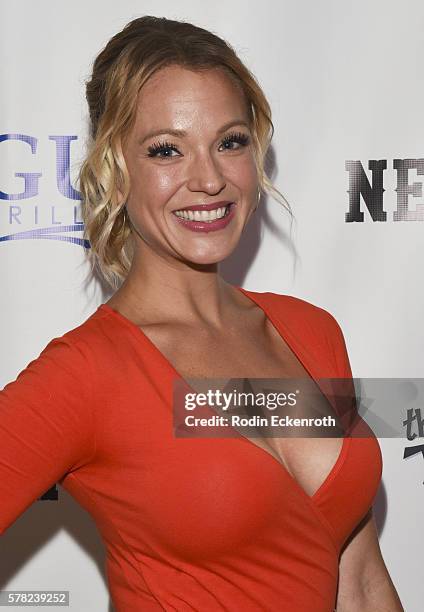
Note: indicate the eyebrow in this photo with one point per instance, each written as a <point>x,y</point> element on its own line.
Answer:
<point>182,133</point>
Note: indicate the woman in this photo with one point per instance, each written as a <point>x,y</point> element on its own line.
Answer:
<point>175,170</point>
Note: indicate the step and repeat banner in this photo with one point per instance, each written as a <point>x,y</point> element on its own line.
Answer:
<point>344,80</point>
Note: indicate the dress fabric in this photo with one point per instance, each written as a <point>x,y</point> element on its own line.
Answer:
<point>204,524</point>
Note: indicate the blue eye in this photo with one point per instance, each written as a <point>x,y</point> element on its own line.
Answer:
<point>236,137</point>
<point>161,147</point>
<point>164,150</point>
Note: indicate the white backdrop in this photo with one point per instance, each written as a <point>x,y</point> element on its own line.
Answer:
<point>344,80</point>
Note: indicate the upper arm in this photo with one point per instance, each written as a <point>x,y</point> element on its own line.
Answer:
<point>46,426</point>
<point>364,582</point>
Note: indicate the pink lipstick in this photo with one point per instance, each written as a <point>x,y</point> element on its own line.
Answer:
<point>205,222</point>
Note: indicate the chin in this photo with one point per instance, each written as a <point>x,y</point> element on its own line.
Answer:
<point>207,258</point>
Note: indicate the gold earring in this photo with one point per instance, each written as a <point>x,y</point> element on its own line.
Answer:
<point>125,216</point>
<point>259,197</point>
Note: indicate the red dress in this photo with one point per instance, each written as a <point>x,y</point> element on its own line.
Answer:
<point>206,524</point>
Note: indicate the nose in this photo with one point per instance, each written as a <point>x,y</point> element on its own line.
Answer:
<point>205,174</point>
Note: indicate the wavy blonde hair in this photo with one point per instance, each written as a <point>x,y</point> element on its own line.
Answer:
<point>129,59</point>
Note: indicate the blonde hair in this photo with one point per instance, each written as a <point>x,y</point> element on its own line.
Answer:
<point>130,58</point>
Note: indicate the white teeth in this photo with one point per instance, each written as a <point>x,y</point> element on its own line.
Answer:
<point>202,215</point>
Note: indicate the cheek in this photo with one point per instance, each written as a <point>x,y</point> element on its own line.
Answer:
<point>152,185</point>
<point>243,173</point>
<point>163,178</point>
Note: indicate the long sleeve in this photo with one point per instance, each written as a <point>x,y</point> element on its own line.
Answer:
<point>46,425</point>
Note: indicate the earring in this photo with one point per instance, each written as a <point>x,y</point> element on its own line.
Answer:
<point>257,202</point>
<point>125,216</point>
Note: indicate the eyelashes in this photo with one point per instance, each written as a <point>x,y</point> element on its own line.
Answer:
<point>159,148</point>
<point>238,137</point>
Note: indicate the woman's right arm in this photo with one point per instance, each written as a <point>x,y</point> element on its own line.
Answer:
<point>46,425</point>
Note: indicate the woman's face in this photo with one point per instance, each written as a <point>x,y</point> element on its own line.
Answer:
<point>190,146</point>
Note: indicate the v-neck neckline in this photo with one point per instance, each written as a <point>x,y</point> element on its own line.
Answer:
<point>287,337</point>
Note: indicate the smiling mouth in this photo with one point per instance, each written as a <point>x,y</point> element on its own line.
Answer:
<point>206,216</point>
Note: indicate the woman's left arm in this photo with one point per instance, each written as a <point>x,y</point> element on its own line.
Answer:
<point>364,582</point>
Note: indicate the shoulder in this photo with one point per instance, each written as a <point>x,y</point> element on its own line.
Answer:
<point>314,326</point>
<point>79,346</point>
<point>101,347</point>
<point>313,320</point>
<point>93,332</point>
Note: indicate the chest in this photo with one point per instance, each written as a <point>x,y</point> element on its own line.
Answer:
<point>254,352</point>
